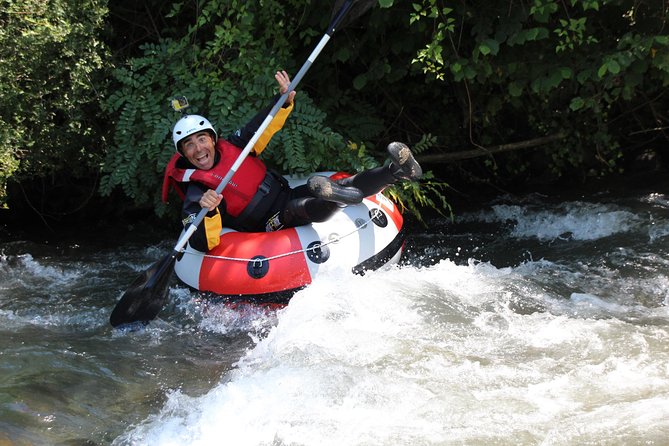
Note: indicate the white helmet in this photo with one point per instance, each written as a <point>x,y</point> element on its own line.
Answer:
<point>188,125</point>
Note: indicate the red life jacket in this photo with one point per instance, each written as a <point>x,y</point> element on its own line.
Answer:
<point>237,193</point>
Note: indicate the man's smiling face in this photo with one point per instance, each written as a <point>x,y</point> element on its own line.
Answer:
<point>199,150</point>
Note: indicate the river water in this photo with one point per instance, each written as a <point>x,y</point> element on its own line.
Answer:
<point>529,320</point>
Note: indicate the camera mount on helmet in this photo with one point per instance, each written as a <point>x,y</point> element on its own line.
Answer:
<point>180,104</point>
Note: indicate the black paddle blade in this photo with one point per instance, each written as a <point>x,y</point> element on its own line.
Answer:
<point>146,296</point>
<point>355,10</point>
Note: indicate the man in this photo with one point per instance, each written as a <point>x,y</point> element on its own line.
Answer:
<point>258,199</point>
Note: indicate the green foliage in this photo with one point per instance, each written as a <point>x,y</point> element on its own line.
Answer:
<point>595,69</point>
<point>51,58</point>
<point>429,193</point>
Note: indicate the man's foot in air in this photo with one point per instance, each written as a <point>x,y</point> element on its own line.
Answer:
<point>403,165</point>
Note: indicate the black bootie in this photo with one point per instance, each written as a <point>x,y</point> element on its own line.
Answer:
<point>326,189</point>
<point>403,165</point>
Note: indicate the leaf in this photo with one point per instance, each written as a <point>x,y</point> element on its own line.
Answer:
<point>576,103</point>
<point>602,70</point>
<point>489,46</point>
<point>360,81</point>
<point>343,54</point>
<point>515,89</point>
<point>613,67</point>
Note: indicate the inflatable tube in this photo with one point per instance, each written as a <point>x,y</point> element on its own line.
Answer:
<point>260,265</point>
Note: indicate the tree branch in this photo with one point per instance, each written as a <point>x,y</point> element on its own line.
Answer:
<point>467,154</point>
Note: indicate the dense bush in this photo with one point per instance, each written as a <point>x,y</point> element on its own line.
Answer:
<point>51,86</point>
<point>595,71</point>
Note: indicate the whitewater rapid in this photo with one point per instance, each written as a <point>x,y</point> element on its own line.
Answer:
<point>549,351</point>
<point>529,321</point>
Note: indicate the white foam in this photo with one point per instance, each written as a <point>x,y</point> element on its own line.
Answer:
<point>576,220</point>
<point>430,356</point>
<point>24,269</point>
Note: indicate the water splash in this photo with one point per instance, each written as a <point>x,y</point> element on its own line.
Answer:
<point>571,220</point>
<point>24,271</point>
<point>431,355</point>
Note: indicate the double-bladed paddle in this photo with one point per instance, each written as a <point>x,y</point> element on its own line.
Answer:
<point>147,294</point>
